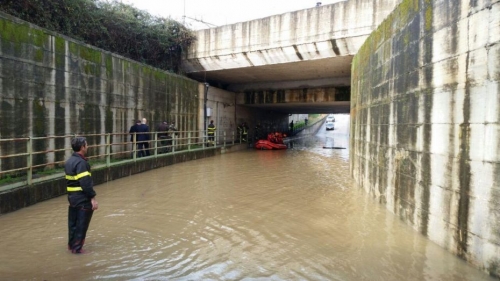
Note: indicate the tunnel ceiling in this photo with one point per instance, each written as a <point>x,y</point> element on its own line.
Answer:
<point>306,108</point>
<point>304,74</point>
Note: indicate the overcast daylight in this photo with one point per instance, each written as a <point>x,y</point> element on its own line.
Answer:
<point>202,14</point>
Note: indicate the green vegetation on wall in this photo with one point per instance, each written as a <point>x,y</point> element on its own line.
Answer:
<point>142,37</point>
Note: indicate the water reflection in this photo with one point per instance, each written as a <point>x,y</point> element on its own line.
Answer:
<point>327,143</point>
<point>265,215</point>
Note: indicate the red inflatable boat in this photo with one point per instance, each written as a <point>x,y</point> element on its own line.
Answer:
<point>274,141</point>
<point>265,144</point>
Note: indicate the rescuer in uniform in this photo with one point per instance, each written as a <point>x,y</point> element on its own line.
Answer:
<point>244,133</point>
<point>81,195</point>
<point>240,132</point>
<point>211,133</point>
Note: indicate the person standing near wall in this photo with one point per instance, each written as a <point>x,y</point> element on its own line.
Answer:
<point>244,134</point>
<point>173,129</point>
<point>133,133</point>
<point>142,131</point>
<point>133,130</point>
<point>146,142</point>
<point>211,133</point>
<point>81,195</point>
<point>239,131</point>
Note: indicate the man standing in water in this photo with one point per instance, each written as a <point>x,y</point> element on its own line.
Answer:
<point>81,195</point>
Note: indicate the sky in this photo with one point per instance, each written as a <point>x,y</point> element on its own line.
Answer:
<point>202,14</point>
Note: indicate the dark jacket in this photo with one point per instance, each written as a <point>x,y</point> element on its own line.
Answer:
<point>79,181</point>
<point>162,131</point>
<point>133,130</point>
<point>142,131</point>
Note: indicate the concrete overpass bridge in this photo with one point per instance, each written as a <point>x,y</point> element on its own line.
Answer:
<point>297,62</point>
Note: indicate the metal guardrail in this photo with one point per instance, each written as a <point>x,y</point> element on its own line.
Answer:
<point>34,159</point>
<point>28,160</point>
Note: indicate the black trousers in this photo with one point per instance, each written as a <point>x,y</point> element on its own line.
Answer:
<point>78,224</point>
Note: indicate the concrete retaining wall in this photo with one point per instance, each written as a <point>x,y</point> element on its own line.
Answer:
<point>53,85</point>
<point>425,129</point>
<point>312,129</point>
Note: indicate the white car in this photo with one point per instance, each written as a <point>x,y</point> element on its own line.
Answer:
<point>330,118</point>
<point>330,125</point>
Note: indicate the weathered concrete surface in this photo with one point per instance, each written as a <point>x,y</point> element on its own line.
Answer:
<point>295,101</point>
<point>53,85</point>
<point>223,110</point>
<point>229,109</point>
<point>425,130</point>
<point>314,46</point>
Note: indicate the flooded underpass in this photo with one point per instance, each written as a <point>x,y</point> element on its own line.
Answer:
<point>253,215</point>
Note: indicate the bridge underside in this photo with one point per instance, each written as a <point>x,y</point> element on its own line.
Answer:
<point>304,87</point>
<point>307,85</point>
<point>326,72</point>
<point>306,107</point>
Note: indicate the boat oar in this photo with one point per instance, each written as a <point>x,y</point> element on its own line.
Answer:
<point>333,147</point>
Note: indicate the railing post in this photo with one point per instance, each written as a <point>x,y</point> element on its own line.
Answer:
<point>233,137</point>
<point>189,141</point>
<point>224,139</point>
<point>156,144</point>
<point>29,149</point>
<point>173,143</point>
<point>108,150</point>
<point>204,139</point>
<point>134,147</point>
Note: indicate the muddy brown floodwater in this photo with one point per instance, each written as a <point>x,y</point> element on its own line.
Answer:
<point>252,215</point>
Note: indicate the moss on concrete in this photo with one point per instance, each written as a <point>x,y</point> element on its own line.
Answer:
<point>60,45</point>
<point>428,14</point>
<point>73,48</point>
<point>90,54</point>
<point>39,38</point>
<point>109,66</point>
<point>14,32</point>
<point>39,55</point>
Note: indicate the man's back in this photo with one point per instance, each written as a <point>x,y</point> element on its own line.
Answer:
<point>162,130</point>
<point>141,130</point>
<point>133,129</point>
